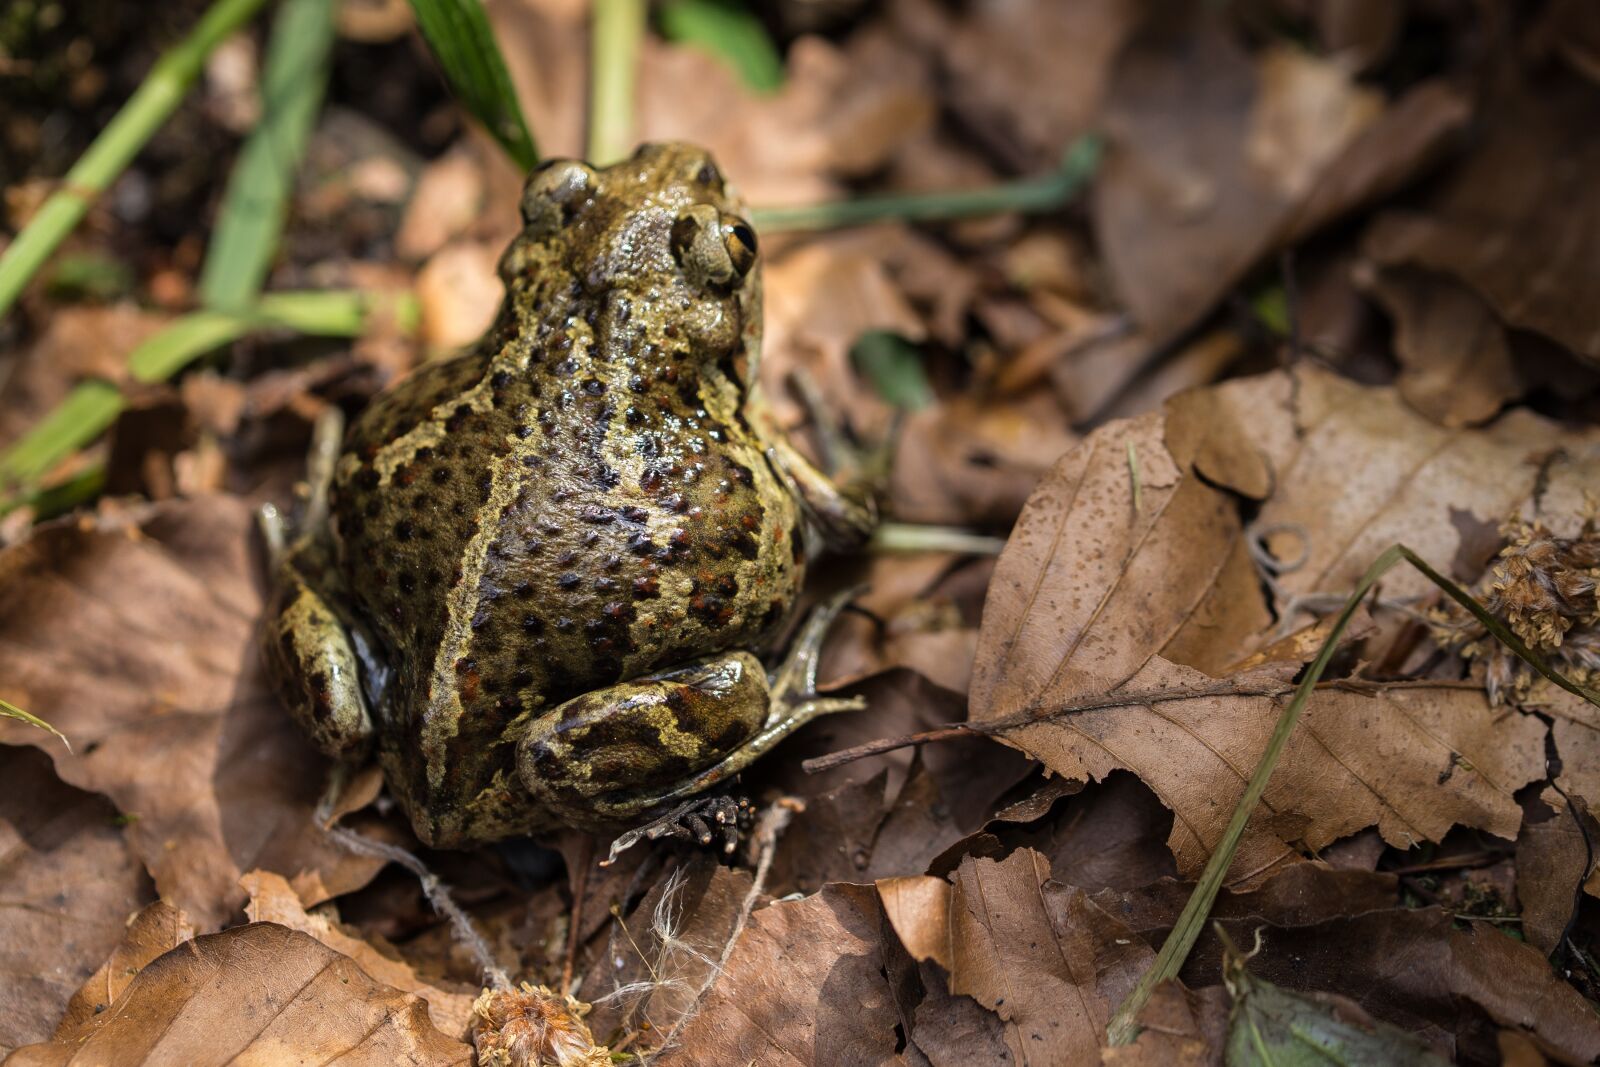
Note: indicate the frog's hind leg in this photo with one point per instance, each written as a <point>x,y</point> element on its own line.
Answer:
<point>622,753</point>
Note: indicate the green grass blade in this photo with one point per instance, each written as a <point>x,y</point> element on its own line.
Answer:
<point>894,367</point>
<point>93,406</point>
<point>730,31</point>
<point>81,417</point>
<point>250,221</point>
<point>1049,193</point>
<point>458,33</point>
<point>11,711</point>
<point>150,105</point>
<point>618,30</point>
<point>1123,1029</point>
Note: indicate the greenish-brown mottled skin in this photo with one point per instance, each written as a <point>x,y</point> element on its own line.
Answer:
<point>551,555</point>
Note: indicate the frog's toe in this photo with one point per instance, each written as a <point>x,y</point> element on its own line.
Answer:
<point>704,821</point>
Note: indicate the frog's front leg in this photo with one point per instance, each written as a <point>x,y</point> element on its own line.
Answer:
<point>841,501</point>
<point>314,667</point>
<point>309,655</point>
<point>622,753</point>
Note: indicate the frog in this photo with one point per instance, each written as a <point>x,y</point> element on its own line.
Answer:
<point>536,579</point>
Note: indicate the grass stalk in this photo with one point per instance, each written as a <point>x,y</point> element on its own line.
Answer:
<point>459,35</point>
<point>250,221</point>
<point>11,711</point>
<point>93,406</point>
<point>616,33</point>
<point>150,105</point>
<point>1032,195</point>
<point>1123,1027</point>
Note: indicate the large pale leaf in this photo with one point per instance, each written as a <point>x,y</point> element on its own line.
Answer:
<point>1103,590</point>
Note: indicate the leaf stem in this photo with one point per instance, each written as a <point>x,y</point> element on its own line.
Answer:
<point>916,537</point>
<point>461,39</point>
<point>150,105</point>
<point>250,222</point>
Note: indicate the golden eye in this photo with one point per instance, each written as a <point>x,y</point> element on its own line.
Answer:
<point>740,240</point>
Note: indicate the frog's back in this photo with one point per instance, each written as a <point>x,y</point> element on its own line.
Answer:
<point>576,501</point>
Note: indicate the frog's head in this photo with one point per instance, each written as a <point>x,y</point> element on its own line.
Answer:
<point>658,242</point>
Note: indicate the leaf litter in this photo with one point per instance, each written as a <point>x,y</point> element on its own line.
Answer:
<point>1423,857</point>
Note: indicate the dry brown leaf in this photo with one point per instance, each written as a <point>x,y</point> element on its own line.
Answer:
<point>820,297</point>
<point>137,639</point>
<point>1360,32</point>
<point>1413,968</point>
<point>997,53</point>
<point>1552,857</point>
<point>842,110</point>
<point>1306,113</point>
<point>77,342</point>
<point>805,985</point>
<point>1093,596</point>
<point>273,900</point>
<point>1178,1028</point>
<point>1207,170</point>
<point>1340,932</point>
<point>458,293</point>
<point>447,200</point>
<point>157,929</point>
<point>1208,158</point>
<point>1039,954</point>
<point>1358,470</point>
<point>970,461</point>
<point>662,955</point>
<point>68,882</point>
<point>1456,365</point>
<point>1520,235</point>
<point>254,994</point>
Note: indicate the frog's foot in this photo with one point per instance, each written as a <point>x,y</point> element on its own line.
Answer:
<point>704,821</point>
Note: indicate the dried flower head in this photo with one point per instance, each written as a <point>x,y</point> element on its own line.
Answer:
<point>533,1027</point>
<point>1545,590</point>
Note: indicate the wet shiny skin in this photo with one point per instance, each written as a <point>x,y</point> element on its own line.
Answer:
<point>549,558</point>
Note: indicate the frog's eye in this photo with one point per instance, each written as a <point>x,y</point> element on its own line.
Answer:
<point>739,237</point>
<point>555,189</point>
<point>713,249</point>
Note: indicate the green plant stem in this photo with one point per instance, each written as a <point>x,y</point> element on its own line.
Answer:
<point>11,711</point>
<point>1030,195</point>
<point>250,221</point>
<point>1123,1027</point>
<point>92,406</point>
<point>150,105</point>
<point>914,537</point>
<point>461,39</point>
<point>616,34</point>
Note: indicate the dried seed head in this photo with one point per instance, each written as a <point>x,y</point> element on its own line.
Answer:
<point>1547,591</point>
<point>533,1027</point>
